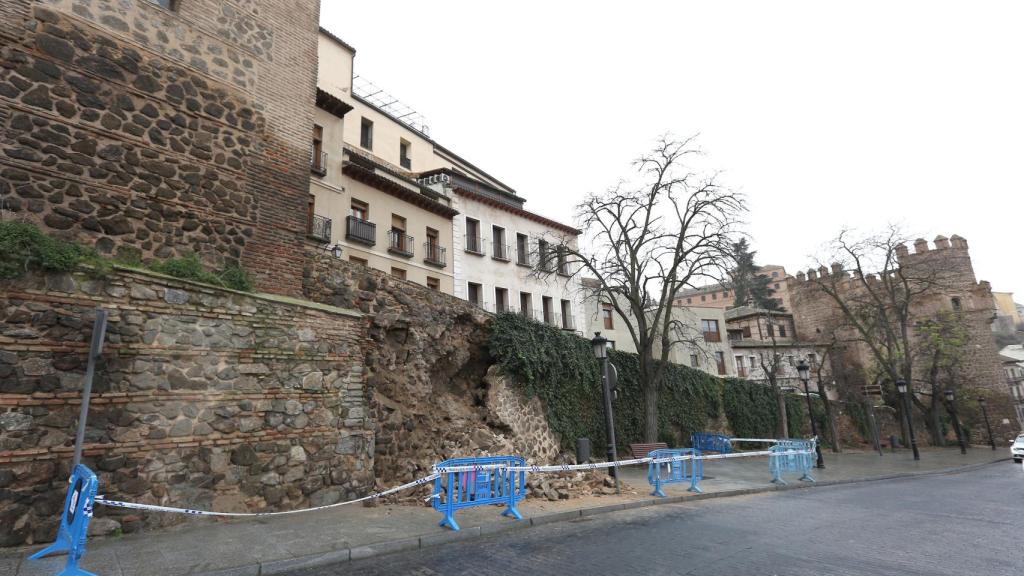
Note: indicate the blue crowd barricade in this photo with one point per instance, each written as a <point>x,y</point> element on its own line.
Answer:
<point>74,521</point>
<point>468,488</point>
<point>782,459</point>
<point>711,442</point>
<point>674,472</point>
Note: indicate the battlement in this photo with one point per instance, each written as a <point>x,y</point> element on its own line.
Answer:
<point>903,254</point>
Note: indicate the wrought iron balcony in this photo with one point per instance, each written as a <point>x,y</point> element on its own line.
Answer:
<point>359,230</point>
<point>318,163</point>
<point>474,244</point>
<point>500,251</point>
<point>434,254</point>
<point>319,228</point>
<point>400,243</point>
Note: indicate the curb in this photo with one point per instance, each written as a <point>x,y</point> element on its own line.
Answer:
<point>333,557</point>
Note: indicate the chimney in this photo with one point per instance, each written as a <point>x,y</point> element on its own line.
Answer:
<point>920,246</point>
<point>941,242</point>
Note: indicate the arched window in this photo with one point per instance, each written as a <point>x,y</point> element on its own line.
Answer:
<point>956,304</point>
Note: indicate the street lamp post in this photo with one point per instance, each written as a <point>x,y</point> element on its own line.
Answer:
<point>805,374</point>
<point>951,399</point>
<point>901,387</point>
<point>600,345</point>
<point>988,426</point>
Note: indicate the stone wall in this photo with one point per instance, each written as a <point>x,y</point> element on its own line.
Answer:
<point>204,398</point>
<point>170,131</point>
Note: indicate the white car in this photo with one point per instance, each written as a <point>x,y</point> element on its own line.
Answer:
<point>1017,449</point>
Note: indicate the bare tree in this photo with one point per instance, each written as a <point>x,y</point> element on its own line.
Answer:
<point>648,241</point>
<point>771,364</point>
<point>942,349</point>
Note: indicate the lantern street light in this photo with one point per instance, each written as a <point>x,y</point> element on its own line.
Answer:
<point>988,426</point>
<point>600,345</point>
<point>951,402</point>
<point>336,251</point>
<point>805,374</point>
<point>901,387</point>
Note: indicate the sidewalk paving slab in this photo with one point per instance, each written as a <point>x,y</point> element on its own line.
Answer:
<point>275,545</point>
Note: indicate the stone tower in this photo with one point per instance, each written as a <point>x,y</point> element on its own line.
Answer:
<point>168,126</point>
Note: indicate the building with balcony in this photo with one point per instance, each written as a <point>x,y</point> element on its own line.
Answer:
<point>762,340</point>
<point>506,258</point>
<point>363,193</point>
<point>1012,358</point>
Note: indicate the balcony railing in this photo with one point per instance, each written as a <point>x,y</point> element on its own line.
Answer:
<point>318,163</point>
<point>500,251</point>
<point>434,254</point>
<point>320,228</point>
<point>474,244</point>
<point>712,336</point>
<point>362,231</point>
<point>568,322</point>
<point>400,243</point>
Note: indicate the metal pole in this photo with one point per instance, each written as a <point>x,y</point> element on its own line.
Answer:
<point>99,329</point>
<point>814,427</point>
<point>609,422</point>
<point>910,425</point>
<point>876,434</point>
<point>988,426</point>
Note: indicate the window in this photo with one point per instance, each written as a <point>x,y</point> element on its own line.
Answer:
<point>403,155</point>
<point>782,330</point>
<point>689,300</point>
<point>522,249</point>
<point>567,321</point>
<point>771,329</point>
<point>526,304</point>
<point>957,306</point>
<point>366,134</point>
<point>720,361</point>
<point>741,370</point>
<point>725,293</point>
<point>776,285</point>
<point>360,261</point>
<point>433,283</point>
<point>435,254</point>
<point>714,295</point>
<point>549,309</point>
<point>318,160</point>
<point>710,329</point>
<point>360,209</point>
<point>812,359</point>
<point>398,273</point>
<point>753,362</point>
<point>399,241</point>
<point>703,298</point>
<point>563,265</point>
<point>746,331</point>
<point>474,291</point>
<point>775,275</point>
<point>542,252</point>
<point>500,300</point>
<point>694,361</point>
<point>606,314</point>
<point>499,251</point>
<point>473,243</point>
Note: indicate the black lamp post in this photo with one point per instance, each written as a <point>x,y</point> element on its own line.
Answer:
<point>988,426</point>
<point>805,374</point>
<point>951,399</point>
<point>600,345</point>
<point>901,387</point>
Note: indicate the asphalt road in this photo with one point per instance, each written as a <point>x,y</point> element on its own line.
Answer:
<point>970,523</point>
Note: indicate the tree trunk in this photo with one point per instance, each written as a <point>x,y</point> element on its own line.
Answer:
<point>780,398</point>
<point>934,418</point>
<point>650,392</point>
<point>833,430</point>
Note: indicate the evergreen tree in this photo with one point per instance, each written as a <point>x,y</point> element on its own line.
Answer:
<point>750,286</point>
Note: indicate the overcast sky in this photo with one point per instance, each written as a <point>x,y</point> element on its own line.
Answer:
<point>824,115</point>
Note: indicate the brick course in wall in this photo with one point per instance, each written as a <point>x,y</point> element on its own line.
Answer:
<point>180,131</point>
<point>204,398</point>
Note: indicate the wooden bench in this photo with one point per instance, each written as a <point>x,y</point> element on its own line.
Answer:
<point>641,450</point>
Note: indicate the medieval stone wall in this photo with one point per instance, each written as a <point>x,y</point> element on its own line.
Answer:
<point>205,398</point>
<point>170,131</point>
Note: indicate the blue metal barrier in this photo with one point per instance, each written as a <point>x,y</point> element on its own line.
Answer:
<point>457,490</point>
<point>661,473</point>
<point>74,521</point>
<point>781,463</point>
<point>711,442</point>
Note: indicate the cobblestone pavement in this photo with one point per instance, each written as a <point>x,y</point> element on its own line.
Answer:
<point>965,523</point>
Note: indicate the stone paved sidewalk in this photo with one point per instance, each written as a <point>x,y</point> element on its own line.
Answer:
<point>273,545</point>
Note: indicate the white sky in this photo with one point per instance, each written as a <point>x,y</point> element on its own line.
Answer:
<point>823,114</point>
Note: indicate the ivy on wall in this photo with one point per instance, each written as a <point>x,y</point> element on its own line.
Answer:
<point>559,368</point>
